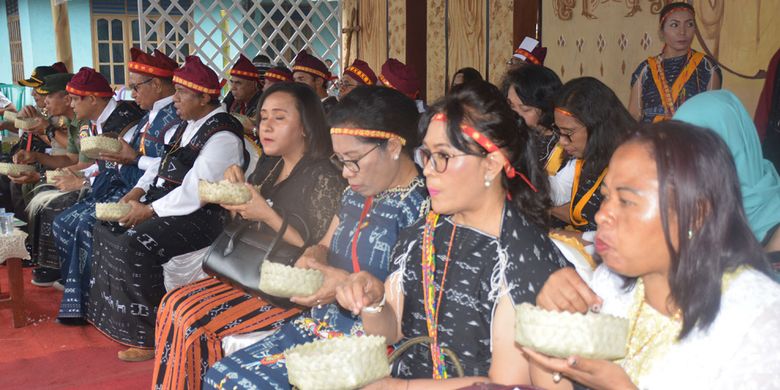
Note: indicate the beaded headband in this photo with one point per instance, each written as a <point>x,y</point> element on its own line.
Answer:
<point>489,146</point>
<point>137,67</point>
<point>80,92</point>
<point>380,134</point>
<point>564,112</point>
<point>675,9</point>
<point>528,56</point>
<point>312,71</point>
<point>359,73</point>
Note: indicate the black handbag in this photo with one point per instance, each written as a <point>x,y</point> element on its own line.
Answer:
<point>236,255</point>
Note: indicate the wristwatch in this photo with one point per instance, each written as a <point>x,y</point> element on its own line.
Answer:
<point>152,209</point>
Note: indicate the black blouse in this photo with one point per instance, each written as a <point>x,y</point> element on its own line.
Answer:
<point>312,191</point>
<point>481,267</point>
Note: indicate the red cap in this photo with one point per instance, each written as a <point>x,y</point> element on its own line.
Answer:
<point>399,76</point>
<point>156,65</point>
<point>244,69</point>
<point>88,82</point>
<point>279,73</point>
<point>305,62</point>
<point>60,67</point>
<point>361,72</point>
<point>197,77</point>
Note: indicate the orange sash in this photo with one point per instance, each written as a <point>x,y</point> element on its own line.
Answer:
<point>555,161</point>
<point>575,210</point>
<point>669,96</point>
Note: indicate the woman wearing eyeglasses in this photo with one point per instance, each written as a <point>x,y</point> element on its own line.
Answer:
<point>483,249</point>
<point>591,122</point>
<point>373,133</point>
<point>295,176</point>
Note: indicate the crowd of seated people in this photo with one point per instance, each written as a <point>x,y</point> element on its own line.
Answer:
<point>424,221</point>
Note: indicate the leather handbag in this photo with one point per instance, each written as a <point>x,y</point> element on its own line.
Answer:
<point>236,255</point>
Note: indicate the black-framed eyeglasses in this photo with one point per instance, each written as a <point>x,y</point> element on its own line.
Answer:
<point>351,165</point>
<point>134,87</point>
<point>438,160</point>
<point>561,135</point>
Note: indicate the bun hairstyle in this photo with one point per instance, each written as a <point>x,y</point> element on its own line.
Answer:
<point>536,86</point>
<point>482,106</point>
<point>378,108</point>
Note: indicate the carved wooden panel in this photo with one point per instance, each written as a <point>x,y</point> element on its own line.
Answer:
<point>436,50</point>
<point>501,36</point>
<point>396,20</point>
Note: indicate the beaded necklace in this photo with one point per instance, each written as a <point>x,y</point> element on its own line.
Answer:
<point>431,303</point>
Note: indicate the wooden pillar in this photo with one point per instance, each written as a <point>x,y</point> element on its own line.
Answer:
<point>436,50</point>
<point>500,26</point>
<point>372,45</point>
<point>59,16</point>
<point>396,22</point>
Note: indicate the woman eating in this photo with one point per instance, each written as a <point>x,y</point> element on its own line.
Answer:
<point>296,177</point>
<point>682,264</point>
<point>662,83</point>
<point>483,249</point>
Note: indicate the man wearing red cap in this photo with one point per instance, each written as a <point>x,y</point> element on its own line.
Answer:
<point>401,77</point>
<point>150,81</point>
<point>245,89</point>
<point>171,221</point>
<point>357,74</point>
<point>309,70</point>
<point>277,74</point>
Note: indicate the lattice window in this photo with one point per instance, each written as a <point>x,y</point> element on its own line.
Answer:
<point>15,40</point>
<point>220,29</point>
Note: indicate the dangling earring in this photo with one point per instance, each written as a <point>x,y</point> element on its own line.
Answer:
<point>690,234</point>
<point>487,181</point>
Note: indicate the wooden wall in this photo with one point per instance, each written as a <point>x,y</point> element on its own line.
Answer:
<point>443,36</point>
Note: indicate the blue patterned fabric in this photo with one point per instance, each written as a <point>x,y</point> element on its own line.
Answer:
<point>261,366</point>
<point>73,227</point>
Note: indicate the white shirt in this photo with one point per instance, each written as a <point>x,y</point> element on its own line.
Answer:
<point>146,162</point>
<point>739,350</point>
<point>92,170</point>
<point>561,184</point>
<point>222,150</point>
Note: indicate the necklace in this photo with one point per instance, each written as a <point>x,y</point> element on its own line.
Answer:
<point>431,303</point>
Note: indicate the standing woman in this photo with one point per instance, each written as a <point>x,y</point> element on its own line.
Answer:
<point>296,177</point>
<point>662,83</point>
<point>591,122</point>
<point>530,91</point>
<point>482,250</point>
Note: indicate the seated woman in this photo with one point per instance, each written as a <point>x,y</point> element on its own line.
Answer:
<point>295,176</point>
<point>694,282</point>
<point>591,122</point>
<point>530,90</point>
<point>458,274</point>
<point>723,113</point>
<point>374,133</point>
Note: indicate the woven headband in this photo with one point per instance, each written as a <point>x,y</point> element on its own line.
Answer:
<point>564,112</point>
<point>272,75</point>
<point>143,68</point>
<point>385,82</point>
<point>380,134</point>
<point>528,56</point>
<point>489,146</point>
<point>675,9</point>
<point>359,73</point>
<point>79,92</point>
<point>238,72</point>
<point>194,87</point>
<point>301,68</point>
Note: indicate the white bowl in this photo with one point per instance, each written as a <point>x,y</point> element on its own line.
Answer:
<point>111,211</point>
<point>284,281</point>
<point>563,334</point>
<point>15,169</point>
<point>93,146</point>
<point>338,364</point>
<point>224,192</point>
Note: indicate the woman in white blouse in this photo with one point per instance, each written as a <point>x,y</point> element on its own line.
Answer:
<point>681,263</point>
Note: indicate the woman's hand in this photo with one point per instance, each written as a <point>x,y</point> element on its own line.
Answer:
<point>564,290</point>
<point>235,174</point>
<point>139,213</point>
<point>257,209</point>
<point>332,278</point>
<point>595,374</point>
<point>388,383</point>
<point>359,291</point>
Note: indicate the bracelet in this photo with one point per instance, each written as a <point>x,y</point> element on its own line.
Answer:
<point>376,308</point>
